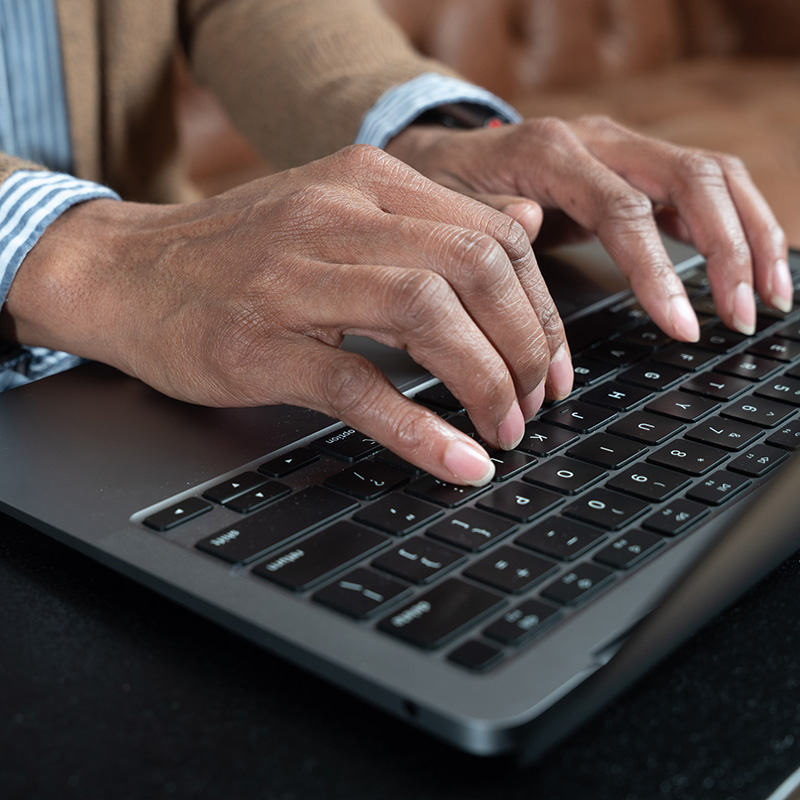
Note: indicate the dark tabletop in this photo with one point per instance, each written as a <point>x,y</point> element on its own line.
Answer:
<point>109,691</point>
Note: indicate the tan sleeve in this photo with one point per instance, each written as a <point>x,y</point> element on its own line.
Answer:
<point>297,76</point>
<point>10,164</point>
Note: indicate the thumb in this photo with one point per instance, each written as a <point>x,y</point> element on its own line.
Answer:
<point>527,212</point>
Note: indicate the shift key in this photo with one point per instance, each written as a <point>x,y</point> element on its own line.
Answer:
<point>249,539</point>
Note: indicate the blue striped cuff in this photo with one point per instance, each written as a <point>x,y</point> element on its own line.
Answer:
<point>29,201</point>
<point>401,105</point>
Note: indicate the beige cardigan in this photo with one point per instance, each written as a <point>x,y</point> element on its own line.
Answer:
<point>296,77</point>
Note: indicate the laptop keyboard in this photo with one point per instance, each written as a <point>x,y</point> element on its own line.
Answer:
<point>657,437</point>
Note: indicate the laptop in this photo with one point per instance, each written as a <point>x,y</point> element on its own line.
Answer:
<point>496,619</point>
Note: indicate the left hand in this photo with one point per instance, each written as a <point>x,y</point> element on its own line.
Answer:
<point>622,186</point>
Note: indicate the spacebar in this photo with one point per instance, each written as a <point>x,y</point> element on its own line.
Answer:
<point>283,521</point>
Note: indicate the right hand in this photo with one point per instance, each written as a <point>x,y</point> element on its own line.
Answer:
<point>243,299</point>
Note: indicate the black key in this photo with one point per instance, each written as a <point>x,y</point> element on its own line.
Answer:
<point>541,439</point>
<point>443,493</point>
<point>704,304</point>
<point>287,519</point>
<point>758,461</point>
<point>565,475</point>
<point>696,278</point>
<point>676,517</point>
<point>522,623</point>
<point>682,406</point>
<point>688,457</point>
<point>606,450</point>
<point>390,459</point>
<point>347,444</point>
<point>289,462</point>
<point>361,593</point>
<point>560,538</point>
<point>233,487</point>
<point>720,339</point>
<point>764,413</point>
<point>398,514</point>
<point>649,336</point>
<point>319,556</point>
<point>471,529</point>
<point>725,433</point>
<point>587,371</point>
<point>716,385</point>
<point>463,423</point>
<point>649,482</point>
<point>578,584</point>
<point>511,570</point>
<point>519,501</point>
<point>619,353</point>
<point>508,463</point>
<point>418,560</point>
<point>774,347</point>
<point>787,390</point>
<point>646,428</point>
<point>790,331</point>
<point>787,436</point>
<point>441,613</point>
<point>684,356</point>
<point>367,481</point>
<point>257,498</point>
<point>589,330</point>
<point>629,550</point>
<point>577,416</point>
<point>748,366</point>
<point>476,656</point>
<point>617,396</point>
<point>168,518</point>
<point>439,396</point>
<point>718,488</point>
<point>652,375</point>
<point>606,509</point>
<point>629,310</point>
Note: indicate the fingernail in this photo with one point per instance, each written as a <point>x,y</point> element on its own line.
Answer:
<point>468,463</point>
<point>744,309</point>
<point>533,402</point>
<point>684,320</point>
<point>560,373</point>
<point>781,289</point>
<point>511,430</point>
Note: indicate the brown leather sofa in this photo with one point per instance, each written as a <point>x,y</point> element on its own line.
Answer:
<point>717,74</point>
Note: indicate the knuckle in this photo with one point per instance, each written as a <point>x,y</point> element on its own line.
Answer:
<point>731,164</point>
<point>411,430</point>
<point>348,384</point>
<point>597,122</point>
<point>550,129</point>
<point>629,207</point>
<point>419,297</point>
<point>480,261</point>
<point>698,166</point>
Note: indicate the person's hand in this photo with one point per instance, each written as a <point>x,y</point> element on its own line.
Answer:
<point>622,186</point>
<point>244,299</point>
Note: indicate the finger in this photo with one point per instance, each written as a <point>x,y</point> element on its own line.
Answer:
<point>520,209</point>
<point>350,388</point>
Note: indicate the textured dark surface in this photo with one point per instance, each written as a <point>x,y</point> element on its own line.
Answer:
<point>108,690</point>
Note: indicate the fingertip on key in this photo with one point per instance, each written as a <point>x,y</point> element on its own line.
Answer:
<point>468,463</point>
<point>683,318</point>
<point>744,309</point>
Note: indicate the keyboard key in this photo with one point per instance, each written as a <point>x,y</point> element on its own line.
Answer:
<point>649,336</point>
<point>606,450</point>
<point>684,356</point>
<point>418,560</point>
<point>439,396</point>
<point>725,433</point>
<point>757,411</point>
<point>437,616</point>
<point>587,331</point>
<point>471,529</point>
<point>716,385</point>
<point>463,423</point>
<point>347,444</point>
<point>287,519</point>
<point>648,482</point>
<point>646,428</point>
<point>787,436</point>
<point>367,481</point>
<point>606,509</point>
<point>320,555</point>
<point>719,339</point>
<point>522,623</point>
<point>577,416</point>
<point>561,538</point>
<point>676,517</point>
<point>541,439</point>
<point>748,366</point>
<point>688,457</point>
<point>718,488</point>
<point>289,462</point>
<point>784,350</point>
<point>786,390</point>
<point>362,593</point>
<point>476,656</point>
<point>398,514</point>
<point>443,493</point>
<point>619,353</point>
<point>565,475</point>
<point>682,406</point>
<point>519,501</point>
<point>758,461</point>
<point>790,331</point>
<point>233,487</point>
<point>508,463</point>
<point>586,371</point>
<point>617,396</point>
<point>257,498</point>
<point>578,584</point>
<point>390,459</point>
<point>168,518</point>
<point>511,570</point>
<point>629,550</point>
<point>652,375</point>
